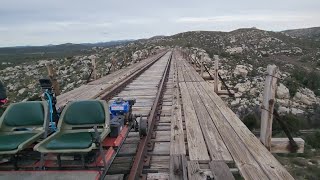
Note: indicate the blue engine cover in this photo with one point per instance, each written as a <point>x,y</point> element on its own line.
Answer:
<point>119,107</point>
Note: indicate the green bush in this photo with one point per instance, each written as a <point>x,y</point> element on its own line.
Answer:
<point>292,85</point>
<point>307,79</point>
<point>313,139</point>
<point>251,121</point>
<point>292,122</point>
<point>312,81</point>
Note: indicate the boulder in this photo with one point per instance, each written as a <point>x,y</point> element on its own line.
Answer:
<point>238,94</point>
<point>283,110</point>
<point>284,102</point>
<point>234,50</point>
<point>91,57</point>
<point>70,86</point>
<point>305,96</point>
<point>235,102</point>
<point>254,92</point>
<point>21,91</point>
<point>243,87</point>
<point>240,70</point>
<point>240,87</point>
<point>283,92</point>
<point>297,111</point>
<point>135,55</point>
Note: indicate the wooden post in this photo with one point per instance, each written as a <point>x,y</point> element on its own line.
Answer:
<point>269,92</point>
<point>201,66</point>
<point>113,64</point>
<point>53,77</point>
<point>216,78</point>
<point>94,68</point>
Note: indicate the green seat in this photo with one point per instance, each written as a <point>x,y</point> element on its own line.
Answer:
<point>12,141</point>
<point>25,114</point>
<point>76,128</point>
<point>21,125</point>
<point>85,112</point>
<point>80,140</point>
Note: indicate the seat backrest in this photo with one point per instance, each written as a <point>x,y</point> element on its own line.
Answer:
<point>85,112</point>
<point>25,114</point>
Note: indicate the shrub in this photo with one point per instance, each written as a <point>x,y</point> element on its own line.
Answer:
<point>313,139</point>
<point>312,82</point>
<point>292,85</point>
<point>251,121</point>
<point>307,79</point>
<point>293,123</point>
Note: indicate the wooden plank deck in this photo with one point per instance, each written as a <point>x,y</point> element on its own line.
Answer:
<point>196,136</point>
<point>214,132</point>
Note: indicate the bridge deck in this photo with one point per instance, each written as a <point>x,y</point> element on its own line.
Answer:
<point>215,133</point>
<point>196,130</point>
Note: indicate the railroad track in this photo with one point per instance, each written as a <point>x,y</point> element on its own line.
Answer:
<point>192,133</point>
<point>152,91</point>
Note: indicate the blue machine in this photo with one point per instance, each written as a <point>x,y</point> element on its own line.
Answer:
<point>119,107</point>
<point>121,114</point>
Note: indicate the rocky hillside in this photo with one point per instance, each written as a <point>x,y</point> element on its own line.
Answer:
<point>306,33</point>
<point>21,79</point>
<point>244,54</point>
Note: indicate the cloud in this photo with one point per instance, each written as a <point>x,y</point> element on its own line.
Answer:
<point>245,18</point>
<point>38,22</point>
<point>137,21</point>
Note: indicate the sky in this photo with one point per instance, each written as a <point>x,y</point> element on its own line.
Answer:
<point>43,22</point>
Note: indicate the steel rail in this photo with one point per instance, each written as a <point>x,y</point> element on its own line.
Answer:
<point>109,93</point>
<point>137,166</point>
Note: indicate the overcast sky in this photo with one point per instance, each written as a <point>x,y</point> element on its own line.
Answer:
<point>41,22</point>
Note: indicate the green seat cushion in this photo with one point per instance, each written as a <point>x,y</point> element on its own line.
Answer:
<point>85,112</point>
<point>80,140</point>
<point>25,114</point>
<point>12,141</point>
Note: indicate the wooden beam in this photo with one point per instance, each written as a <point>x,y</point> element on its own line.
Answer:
<point>53,77</point>
<point>244,160</point>
<point>216,147</point>
<point>178,167</point>
<point>282,145</point>
<point>269,165</point>
<point>196,143</point>
<point>220,170</point>
<point>268,102</point>
<point>178,161</point>
<point>216,78</point>
<point>177,145</point>
<point>194,171</point>
<point>94,68</point>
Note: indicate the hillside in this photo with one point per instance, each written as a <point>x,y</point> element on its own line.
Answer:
<point>307,33</point>
<point>20,54</point>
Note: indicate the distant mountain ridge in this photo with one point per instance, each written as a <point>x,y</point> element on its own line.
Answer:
<point>20,54</point>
